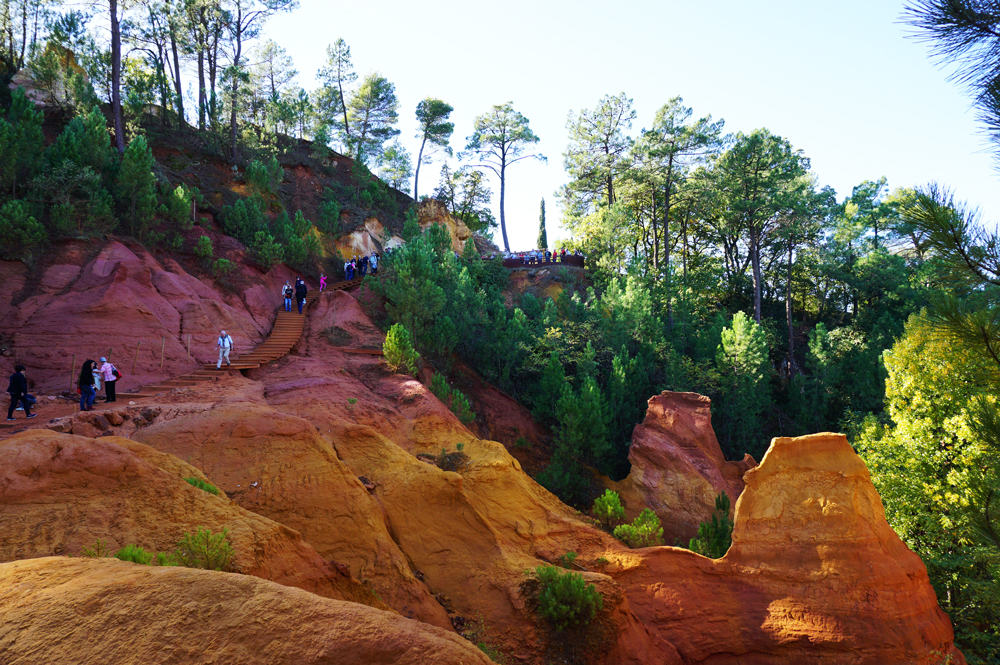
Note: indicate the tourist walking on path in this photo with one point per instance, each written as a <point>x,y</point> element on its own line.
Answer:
<point>300,293</point>
<point>85,384</point>
<point>374,263</point>
<point>287,292</point>
<point>18,390</point>
<point>110,375</point>
<point>225,344</point>
<point>322,282</point>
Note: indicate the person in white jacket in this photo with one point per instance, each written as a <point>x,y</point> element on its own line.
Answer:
<point>225,344</point>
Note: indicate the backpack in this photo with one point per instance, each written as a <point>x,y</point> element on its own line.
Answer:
<point>116,373</point>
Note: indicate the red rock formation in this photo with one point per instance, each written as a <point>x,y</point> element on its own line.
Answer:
<point>61,493</point>
<point>677,465</point>
<point>815,574</point>
<point>87,306</point>
<point>68,611</point>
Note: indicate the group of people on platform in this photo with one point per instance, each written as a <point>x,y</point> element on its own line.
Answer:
<point>359,266</point>
<point>537,256</point>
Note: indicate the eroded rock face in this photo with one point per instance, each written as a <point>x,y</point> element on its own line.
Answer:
<point>68,611</point>
<point>61,493</point>
<point>125,304</point>
<point>677,465</point>
<point>815,574</point>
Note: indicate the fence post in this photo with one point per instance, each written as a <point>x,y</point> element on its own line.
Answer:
<point>189,346</point>
<point>72,364</point>
<point>163,346</point>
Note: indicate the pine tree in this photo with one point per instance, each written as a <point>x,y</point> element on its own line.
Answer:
<point>136,187</point>
<point>543,237</point>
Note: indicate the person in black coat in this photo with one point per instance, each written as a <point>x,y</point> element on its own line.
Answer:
<point>18,389</point>
<point>300,293</point>
<point>86,385</point>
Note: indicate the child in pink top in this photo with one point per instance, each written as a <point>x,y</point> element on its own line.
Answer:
<point>322,282</point>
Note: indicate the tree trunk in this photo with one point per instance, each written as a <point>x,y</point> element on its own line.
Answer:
<point>116,78</point>
<point>343,106</point>
<point>201,88</point>
<point>755,263</point>
<point>656,230</point>
<point>236,87</point>
<point>178,91</point>
<point>788,309</point>
<point>416,175</point>
<point>24,34</point>
<point>503,219</point>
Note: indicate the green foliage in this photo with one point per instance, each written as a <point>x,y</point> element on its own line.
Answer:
<point>716,535</point>
<point>222,268</point>
<point>398,350</point>
<point>644,531</point>
<point>462,407</point>
<point>98,550</point>
<point>567,560</point>
<point>21,144</point>
<point>264,178</point>
<point>543,236</point>
<point>136,186</point>
<point>135,554</point>
<point>742,358</point>
<point>204,549</point>
<point>329,213</point>
<point>244,218</point>
<point>202,485</point>
<point>937,475</point>
<point>266,250</point>
<point>608,508</point>
<point>203,249</point>
<point>20,232</point>
<point>178,203</point>
<point>565,599</point>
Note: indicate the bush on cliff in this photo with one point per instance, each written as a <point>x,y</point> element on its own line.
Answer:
<point>715,535</point>
<point>565,598</point>
<point>608,508</point>
<point>644,531</point>
<point>135,554</point>
<point>204,549</point>
<point>398,350</point>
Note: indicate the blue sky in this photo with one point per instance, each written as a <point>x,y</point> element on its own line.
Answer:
<point>840,80</point>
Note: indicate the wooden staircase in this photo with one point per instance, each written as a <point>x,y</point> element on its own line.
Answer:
<point>287,331</point>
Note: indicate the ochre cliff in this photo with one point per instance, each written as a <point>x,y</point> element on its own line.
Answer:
<point>814,575</point>
<point>62,611</point>
<point>677,465</point>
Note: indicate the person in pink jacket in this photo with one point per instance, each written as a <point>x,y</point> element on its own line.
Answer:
<point>110,375</point>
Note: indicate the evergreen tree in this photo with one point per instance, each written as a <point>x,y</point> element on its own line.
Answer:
<point>432,128</point>
<point>136,186</point>
<point>372,112</point>
<point>500,139</point>
<point>543,237</point>
<point>742,358</point>
<point>21,143</point>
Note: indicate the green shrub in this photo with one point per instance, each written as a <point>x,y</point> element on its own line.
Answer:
<point>440,387</point>
<point>98,550</point>
<point>462,408</point>
<point>264,178</point>
<point>204,549</point>
<point>165,559</point>
<point>135,554</point>
<point>566,560</point>
<point>398,350</point>
<point>20,232</point>
<point>644,531</point>
<point>329,213</point>
<point>608,508</point>
<point>565,598</point>
<point>222,268</point>
<point>136,186</point>
<point>202,485</point>
<point>178,203</point>
<point>716,535</point>
<point>244,218</point>
<point>266,250</point>
<point>203,249</point>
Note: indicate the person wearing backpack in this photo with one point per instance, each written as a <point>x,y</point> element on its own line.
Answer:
<point>287,292</point>
<point>85,385</point>
<point>18,390</point>
<point>300,293</point>
<point>225,344</point>
<point>111,375</point>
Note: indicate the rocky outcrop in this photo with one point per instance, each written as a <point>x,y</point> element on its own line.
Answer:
<point>814,575</point>
<point>67,611</point>
<point>62,493</point>
<point>125,304</point>
<point>435,212</point>
<point>677,465</point>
